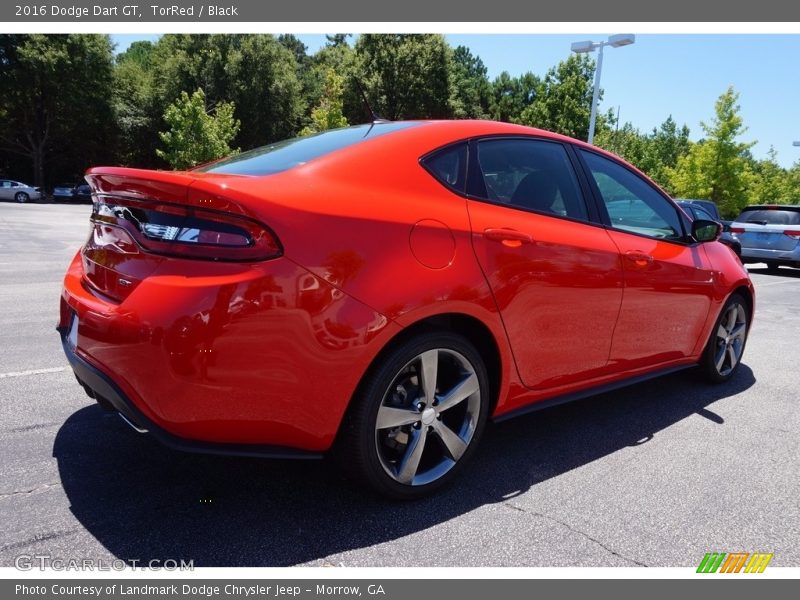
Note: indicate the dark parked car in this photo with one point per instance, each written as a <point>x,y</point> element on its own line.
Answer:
<point>707,205</point>
<point>769,233</point>
<point>73,191</point>
<point>705,209</point>
<point>83,192</point>
<point>64,191</point>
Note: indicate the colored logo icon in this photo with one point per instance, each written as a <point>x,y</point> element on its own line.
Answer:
<point>734,562</point>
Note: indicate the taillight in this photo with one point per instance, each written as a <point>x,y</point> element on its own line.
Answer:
<point>795,233</point>
<point>185,231</point>
<point>737,230</point>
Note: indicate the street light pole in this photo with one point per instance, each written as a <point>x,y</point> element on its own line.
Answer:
<point>595,93</point>
<point>615,41</point>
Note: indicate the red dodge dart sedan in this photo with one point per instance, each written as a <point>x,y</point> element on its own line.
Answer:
<point>378,292</point>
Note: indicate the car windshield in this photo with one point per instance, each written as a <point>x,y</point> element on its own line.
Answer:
<point>770,216</point>
<point>284,155</point>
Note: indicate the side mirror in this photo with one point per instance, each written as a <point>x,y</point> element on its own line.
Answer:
<point>706,231</point>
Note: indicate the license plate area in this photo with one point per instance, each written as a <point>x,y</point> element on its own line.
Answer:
<point>72,332</point>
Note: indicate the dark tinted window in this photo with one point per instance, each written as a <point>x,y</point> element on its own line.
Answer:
<point>702,213</point>
<point>449,165</point>
<point>284,155</point>
<point>709,207</point>
<point>532,174</point>
<point>770,216</point>
<point>632,203</point>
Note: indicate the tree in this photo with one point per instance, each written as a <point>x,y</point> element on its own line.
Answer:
<point>196,136</point>
<point>337,39</point>
<point>793,183</point>
<point>258,74</point>
<point>55,106</point>
<point>404,76</point>
<point>293,44</point>
<point>470,90</point>
<point>716,168</point>
<point>138,116</point>
<point>771,183</point>
<point>512,95</point>
<point>328,114</point>
<point>564,101</point>
<point>655,153</point>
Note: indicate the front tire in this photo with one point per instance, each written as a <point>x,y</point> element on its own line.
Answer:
<point>723,353</point>
<point>417,416</point>
<point>21,197</point>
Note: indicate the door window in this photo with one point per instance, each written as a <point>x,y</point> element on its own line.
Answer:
<point>633,205</point>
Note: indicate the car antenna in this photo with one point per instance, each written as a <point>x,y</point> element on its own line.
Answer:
<point>373,116</point>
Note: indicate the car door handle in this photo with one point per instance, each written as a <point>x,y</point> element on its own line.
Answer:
<point>639,258</point>
<point>507,237</point>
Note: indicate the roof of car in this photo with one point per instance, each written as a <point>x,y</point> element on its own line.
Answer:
<point>772,207</point>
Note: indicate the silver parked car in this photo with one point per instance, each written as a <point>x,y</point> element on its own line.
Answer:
<point>769,233</point>
<point>14,190</point>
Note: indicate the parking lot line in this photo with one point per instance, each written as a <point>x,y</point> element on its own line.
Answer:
<point>31,372</point>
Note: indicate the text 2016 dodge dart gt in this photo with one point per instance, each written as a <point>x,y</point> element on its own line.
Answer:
<point>380,291</point>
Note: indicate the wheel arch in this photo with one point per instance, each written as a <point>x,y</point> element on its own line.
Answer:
<point>746,292</point>
<point>472,328</point>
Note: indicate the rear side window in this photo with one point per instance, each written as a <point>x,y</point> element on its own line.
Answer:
<point>770,216</point>
<point>284,155</point>
<point>531,174</point>
<point>448,166</point>
<point>633,205</point>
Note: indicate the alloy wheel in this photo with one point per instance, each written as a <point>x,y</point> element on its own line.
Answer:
<point>428,417</point>
<point>730,338</point>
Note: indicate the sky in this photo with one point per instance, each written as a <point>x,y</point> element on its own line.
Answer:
<point>661,75</point>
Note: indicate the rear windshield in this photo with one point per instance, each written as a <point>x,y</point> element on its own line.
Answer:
<point>284,155</point>
<point>770,217</point>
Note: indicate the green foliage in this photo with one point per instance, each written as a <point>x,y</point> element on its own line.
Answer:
<point>470,90</point>
<point>137,113</point>
<point>405,76</point>
<point>564,99</point>
<point>55,105</point>
<point>512,95</point>
<point>656,153</point>
<point>717,168</point>
<point>340,57</point>
<point>328,114</point>
<point>771,184</point>
<point>194,135</point>
<point>67,104</point>
<point>255,72</point>
<point>793,184</point>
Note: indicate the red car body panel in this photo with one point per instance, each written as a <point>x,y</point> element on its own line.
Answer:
<point>271,351</point>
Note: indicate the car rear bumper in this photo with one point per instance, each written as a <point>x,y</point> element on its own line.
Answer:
<point>102,388</point>
<point>224,358</point>
<point>779,256</point>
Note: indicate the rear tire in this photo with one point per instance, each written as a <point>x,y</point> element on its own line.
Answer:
<point>417,417</point>
<point>21,197</point>
<point>772,267</point>
<point>723,353</point>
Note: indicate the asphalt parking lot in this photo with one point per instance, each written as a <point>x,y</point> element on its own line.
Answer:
<point>655,475</point>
